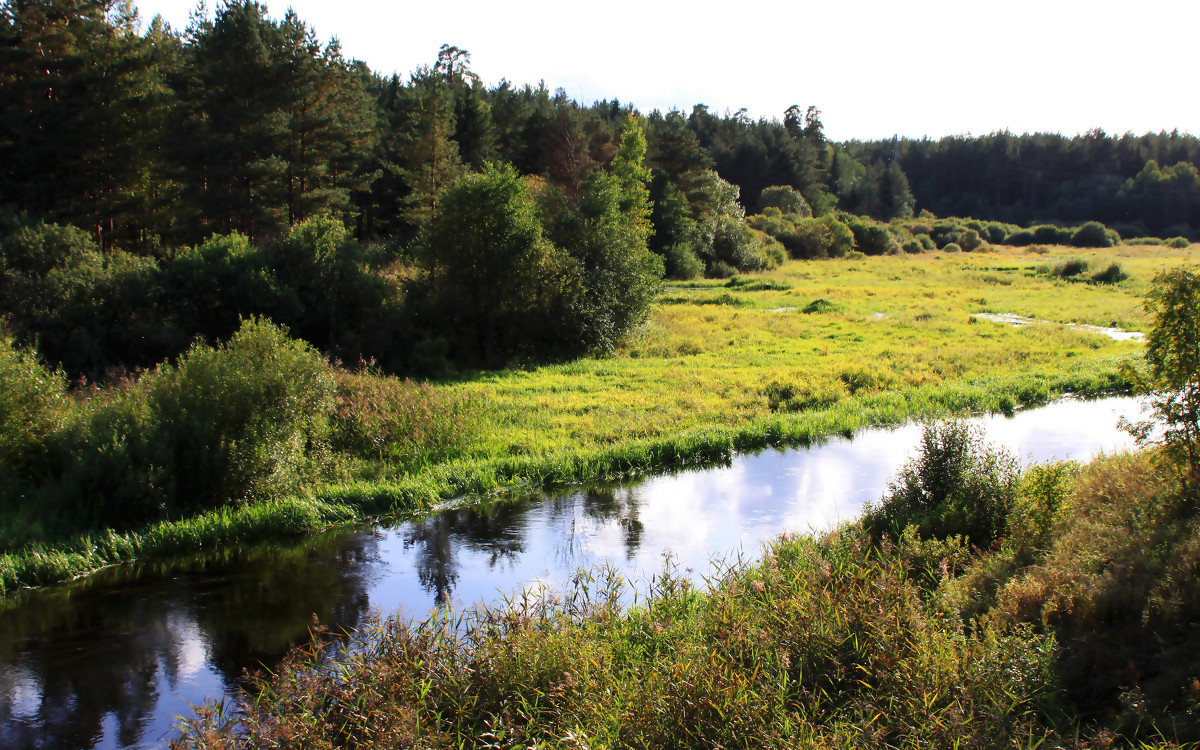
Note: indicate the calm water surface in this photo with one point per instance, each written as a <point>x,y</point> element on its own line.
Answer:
<point>110,662</point>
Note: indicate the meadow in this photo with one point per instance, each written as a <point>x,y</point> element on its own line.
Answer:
<point>782,357</point>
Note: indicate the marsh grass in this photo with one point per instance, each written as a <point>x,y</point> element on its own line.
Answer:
<point>824,643</point>
<point>891,340</point>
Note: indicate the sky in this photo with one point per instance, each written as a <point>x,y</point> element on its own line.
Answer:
<point>874,68</point>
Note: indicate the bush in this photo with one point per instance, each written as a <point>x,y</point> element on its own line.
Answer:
<point>1022,238</point>
<point>681,262</point>
<point>1069,268</point>
<point>956,485</point>
<point>927,242</point>
<point>1092,234</point>
<point>913,247</point>
<point>1178,243</point>
<point>873,238</point>
<point>952,247</point>
<point>33,407</point>
<point>1173,388</point>
<point>1110,274</point>
<point>969,240</point>
<point>1049,234</point>
<point>785,198</point>
<point>239,422</point>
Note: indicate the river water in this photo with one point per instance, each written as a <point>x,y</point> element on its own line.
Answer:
<point>112,661</point>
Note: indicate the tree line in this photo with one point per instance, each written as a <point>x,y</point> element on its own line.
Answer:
<point>157,185</point>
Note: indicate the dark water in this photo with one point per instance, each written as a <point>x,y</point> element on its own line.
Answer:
<point>113,660</point>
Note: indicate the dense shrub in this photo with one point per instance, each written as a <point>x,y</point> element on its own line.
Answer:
<point>681,262</point>
<point>969,240</point>
<point>873,238</point>
<point>952,247</point>
<point>787,199</point>
<point>1092,234</point>
<point>1068,268</point>
<point>241,421</point>
<point>1178,243</point>
<point>33,407</point>
<point>956,485</point>
<point>1110,274</point>
<point>1020,238</point>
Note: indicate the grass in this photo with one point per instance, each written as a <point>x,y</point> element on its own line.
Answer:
<point>779,358</point>
<point>1073,627</point>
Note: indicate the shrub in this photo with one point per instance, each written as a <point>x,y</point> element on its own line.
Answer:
<point>33,406</point>
<point>969,240</point>
<point>956,485</point>
<point>952,247</point>
<point>821,305</point>
<point>787,199</point>
<point>1173,387</point>
<point>1110,274</point>
<point>1092,234</point>
<point>927,242</point>
<point>1178,243</point>
<point>241,421</point>
<point>720,270</point>
<point>913,247</point>
<point>681,262</point>
<point>1049,234</point>
<point>1022,238</point>
<point>1069,268</point>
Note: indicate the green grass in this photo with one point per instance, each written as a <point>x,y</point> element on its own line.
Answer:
<point>887,339</point>
<point>1075,629</point>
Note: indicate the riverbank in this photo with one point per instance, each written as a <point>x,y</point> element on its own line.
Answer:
<point>344,503</point>
<point>786,357</point>
<point>1073,629</point>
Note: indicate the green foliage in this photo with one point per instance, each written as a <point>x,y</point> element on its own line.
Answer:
<point>401,422</point>
<point>1110,274</point>
<point>957,485</point>
<point>1178,243</point>
<point>951,247</point>
<point>33,407</point>
<point>1173,354</point>
<point>1092,234</point>
<point>815,645</point>
<point>495,281</point>
<point>786,198</point>
<point>239,422</point>
<point>873,238</point>
<point>681,263</point>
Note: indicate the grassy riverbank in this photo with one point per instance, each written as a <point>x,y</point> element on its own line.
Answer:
<point>1072,628</point>
<point>782,358</point>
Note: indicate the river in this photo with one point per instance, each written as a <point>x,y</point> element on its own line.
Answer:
<point>111,661</point>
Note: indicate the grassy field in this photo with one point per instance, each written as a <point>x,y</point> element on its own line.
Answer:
<point>715,353</point>
<point>784,357</point>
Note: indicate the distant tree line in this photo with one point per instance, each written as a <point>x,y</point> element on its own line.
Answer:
<point>1145,185</point>
<point>158,185</point>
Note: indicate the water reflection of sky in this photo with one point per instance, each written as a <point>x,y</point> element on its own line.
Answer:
<point>109,662</point>
<point>696,516</point>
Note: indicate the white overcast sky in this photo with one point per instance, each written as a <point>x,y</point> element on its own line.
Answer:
<point>874,68</point>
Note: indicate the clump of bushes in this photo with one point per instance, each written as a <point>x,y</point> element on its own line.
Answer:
<point>957,486</point>
<point>795,396</point>
<point>226,425</point>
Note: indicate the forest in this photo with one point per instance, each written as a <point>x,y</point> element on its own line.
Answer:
<point>252,289</point>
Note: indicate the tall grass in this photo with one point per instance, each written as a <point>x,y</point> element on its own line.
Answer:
<point>823,643</point>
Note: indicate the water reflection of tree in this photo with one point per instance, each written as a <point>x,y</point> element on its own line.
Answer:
<point>107,650</point>
<point>496,531</point>
<point>605,505</point>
